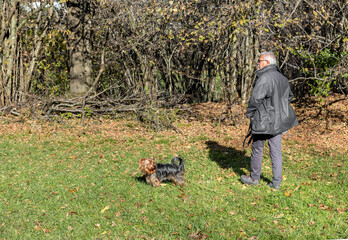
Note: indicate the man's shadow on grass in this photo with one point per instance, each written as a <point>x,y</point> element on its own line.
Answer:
<point>228,157</point>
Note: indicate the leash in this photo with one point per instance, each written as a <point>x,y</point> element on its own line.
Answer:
<point>247,136</point>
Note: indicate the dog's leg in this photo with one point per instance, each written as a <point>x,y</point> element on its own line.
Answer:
<point>153,180</point>
<point>156,183</point>
<point>178,181</point>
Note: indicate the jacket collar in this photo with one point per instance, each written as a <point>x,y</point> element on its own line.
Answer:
<point>272,67</point>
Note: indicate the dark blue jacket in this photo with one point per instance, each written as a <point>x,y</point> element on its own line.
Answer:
<point>269,106</point>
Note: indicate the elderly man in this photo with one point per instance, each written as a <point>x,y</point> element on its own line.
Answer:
<point>270,116</point>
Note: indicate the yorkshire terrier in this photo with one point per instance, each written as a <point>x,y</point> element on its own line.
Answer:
<point>155,173</point>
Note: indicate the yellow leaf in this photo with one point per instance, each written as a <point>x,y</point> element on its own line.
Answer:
<point>105,209</point>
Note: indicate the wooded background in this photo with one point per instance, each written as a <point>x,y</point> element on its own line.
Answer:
<point>170,51</point>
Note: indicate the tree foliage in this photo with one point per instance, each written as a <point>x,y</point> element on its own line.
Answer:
<point>205,50</point>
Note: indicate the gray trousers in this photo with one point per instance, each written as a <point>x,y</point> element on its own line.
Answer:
<point>275,146</point>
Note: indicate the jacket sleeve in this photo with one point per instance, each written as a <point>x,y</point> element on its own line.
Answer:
<point>258,95</point>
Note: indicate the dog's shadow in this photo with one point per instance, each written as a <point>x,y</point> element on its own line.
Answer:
<point>141,179</point>
<point>228,157</point>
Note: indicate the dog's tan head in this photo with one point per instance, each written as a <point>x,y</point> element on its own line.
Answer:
<point>147,165</point>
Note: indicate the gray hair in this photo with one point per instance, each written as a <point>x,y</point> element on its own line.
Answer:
<point>270,57</point>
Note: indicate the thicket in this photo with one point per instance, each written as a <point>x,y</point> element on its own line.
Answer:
<point>125,52</point>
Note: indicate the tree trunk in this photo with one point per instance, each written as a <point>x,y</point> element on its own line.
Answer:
<point>79,24</point>
<point>9,52</point>
<point>232,72</point>
<point>251,49</point>
<point>39,35</point>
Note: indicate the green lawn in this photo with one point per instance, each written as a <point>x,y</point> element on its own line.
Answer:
<point>66,183</point>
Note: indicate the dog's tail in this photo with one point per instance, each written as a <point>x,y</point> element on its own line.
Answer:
<point>181,162</point>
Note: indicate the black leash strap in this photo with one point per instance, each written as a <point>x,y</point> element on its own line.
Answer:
<point>249,135</point>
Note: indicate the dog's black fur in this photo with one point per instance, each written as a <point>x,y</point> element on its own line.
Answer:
<point>155,173</point>
<point>167,171</point>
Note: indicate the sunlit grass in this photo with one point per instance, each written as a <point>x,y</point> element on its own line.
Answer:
<point>84,183</point>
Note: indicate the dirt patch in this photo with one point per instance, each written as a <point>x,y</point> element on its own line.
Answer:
<point>323,125</point>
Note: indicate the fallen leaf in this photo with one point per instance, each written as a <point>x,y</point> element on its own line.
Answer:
<point>340,211</point>
<point>71,213</point>
<point>323,207</point>
<point>73,190</point>
<point>105,209</point>
<point>182,195</point>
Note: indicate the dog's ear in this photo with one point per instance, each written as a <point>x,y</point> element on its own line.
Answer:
<point>142,165</point>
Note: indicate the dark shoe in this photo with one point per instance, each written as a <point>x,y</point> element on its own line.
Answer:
<point>248,180</point>
<point>276,187</point>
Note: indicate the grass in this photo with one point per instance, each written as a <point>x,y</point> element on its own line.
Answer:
<point>68,182</point>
